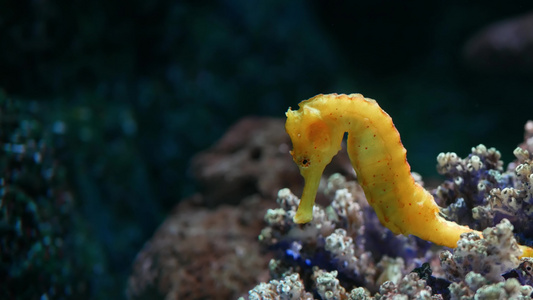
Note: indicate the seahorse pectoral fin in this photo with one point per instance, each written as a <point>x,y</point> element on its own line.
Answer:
<point>312,177</point>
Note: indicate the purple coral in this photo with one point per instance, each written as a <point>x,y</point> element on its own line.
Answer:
<point>475,286</point>
<point>327,285</point>
<point>468,182</point>
<point>523,273</point>
<point>330,263</point>
<point>345,253</point>
<point>318,243</point>
<point>510,289</point>
<point>288,288</point>
<point>410,286</point>
<point>477,265</point>
<point>345,240</point>
<point>497,252</point>
<point>478,193</point>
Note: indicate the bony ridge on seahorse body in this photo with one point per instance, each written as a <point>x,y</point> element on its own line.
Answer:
<point>379,159</point>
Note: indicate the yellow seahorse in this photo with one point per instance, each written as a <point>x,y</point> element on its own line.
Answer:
<point>379,159</point>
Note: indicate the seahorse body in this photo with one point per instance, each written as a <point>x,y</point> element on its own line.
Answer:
<point>379,159</point>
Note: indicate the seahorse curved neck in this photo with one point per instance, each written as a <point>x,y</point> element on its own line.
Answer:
<point>379,159</point>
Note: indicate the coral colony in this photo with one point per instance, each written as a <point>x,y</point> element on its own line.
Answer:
<point>343,251</point>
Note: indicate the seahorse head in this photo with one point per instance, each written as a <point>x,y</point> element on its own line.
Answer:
<point>315,141</point>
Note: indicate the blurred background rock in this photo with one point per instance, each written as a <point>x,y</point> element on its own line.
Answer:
<point>130,91</point>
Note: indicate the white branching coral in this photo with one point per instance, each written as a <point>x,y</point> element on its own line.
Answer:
<point>490,256</point>
<point>289,287</point>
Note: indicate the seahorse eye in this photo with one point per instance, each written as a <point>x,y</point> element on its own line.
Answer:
<point>305,162</point>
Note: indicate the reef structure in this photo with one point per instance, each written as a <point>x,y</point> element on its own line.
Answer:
<point>344,251</point>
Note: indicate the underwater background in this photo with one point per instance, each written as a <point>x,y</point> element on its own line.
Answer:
<point>104,103</point>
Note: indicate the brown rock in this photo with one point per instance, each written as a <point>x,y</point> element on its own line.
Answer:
<point>199,253</point>
<point>252,158</point>
<point>202,253</point>
<point>506,46</point>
